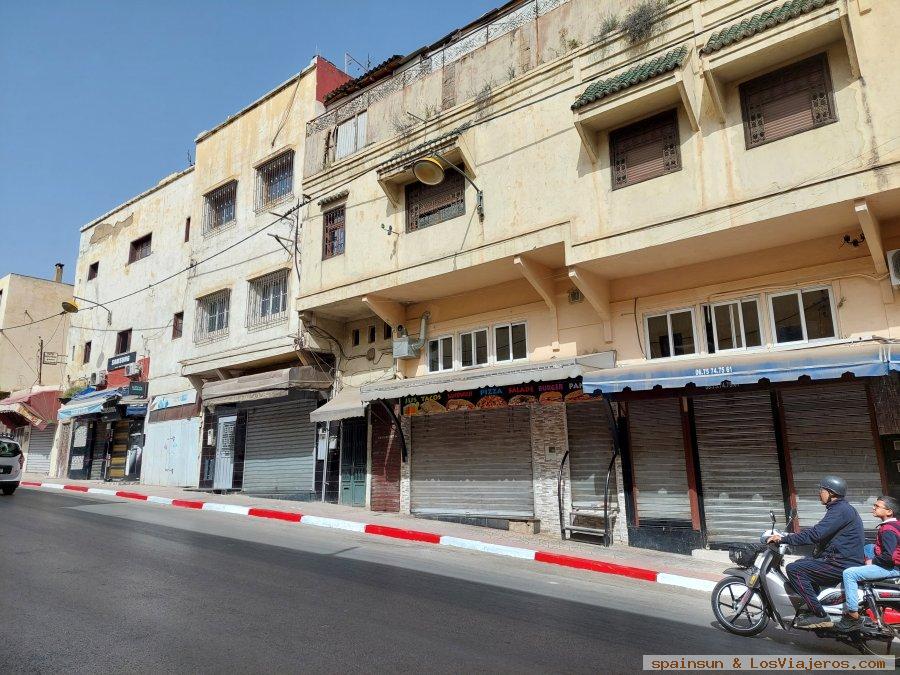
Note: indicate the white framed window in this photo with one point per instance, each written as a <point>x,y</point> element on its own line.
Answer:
<point>351,135</point>
<point>473,348</point>
<point>440,354</point>
<point>670,334</point>
<point>212,316</point>
<point>732,325</point>
<point>805,315</point>
<point>268,299</point>
<point>510,342</point>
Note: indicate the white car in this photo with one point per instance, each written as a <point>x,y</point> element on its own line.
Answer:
<point>11,462</point>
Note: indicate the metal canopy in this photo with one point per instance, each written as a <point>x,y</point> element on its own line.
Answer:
<point>496,376</point>
<point>88,404</point>
<point>865,359</point>
<point>260,386</point>
<point>345,404</point>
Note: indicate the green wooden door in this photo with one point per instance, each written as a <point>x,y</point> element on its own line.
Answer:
<point>353,462</point>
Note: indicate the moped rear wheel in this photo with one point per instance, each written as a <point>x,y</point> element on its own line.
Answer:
<point>727,597</point>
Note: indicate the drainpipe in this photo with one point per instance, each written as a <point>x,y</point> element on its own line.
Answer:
<point>423,332</point>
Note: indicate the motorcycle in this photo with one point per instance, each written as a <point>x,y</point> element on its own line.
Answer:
<point>756,591</point>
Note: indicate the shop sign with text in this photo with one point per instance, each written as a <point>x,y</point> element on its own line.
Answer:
<point>485,398</point>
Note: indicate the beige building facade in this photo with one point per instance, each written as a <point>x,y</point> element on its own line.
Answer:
<point>679,217</point>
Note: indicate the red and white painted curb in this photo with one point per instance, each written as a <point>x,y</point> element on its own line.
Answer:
<point>399,533</point>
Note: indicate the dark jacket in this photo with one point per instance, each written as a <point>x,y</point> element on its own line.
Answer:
<point>839,536</point>
<point>887,553</point>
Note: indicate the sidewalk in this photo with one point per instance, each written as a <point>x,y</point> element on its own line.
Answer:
<point>669,568</point>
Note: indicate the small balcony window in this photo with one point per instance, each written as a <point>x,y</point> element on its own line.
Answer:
<point>473,348</point>
<point>140,248</point>
<point>645,150</point>
<point>93,270</point>
<point>440,354</point>
<point>268,299</point>
<point>220,209</point>
<point>275,180</point>
<point>86,353</point>
<point>351,135</point>
<point>177,325</point>
<point>733,325</point>
<point>212,316</point>
<point>510,342</point>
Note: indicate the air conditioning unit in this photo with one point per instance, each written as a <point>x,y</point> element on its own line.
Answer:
<point>98,379</point>
<point>133,369</point>
<point>893,261</point>
<point>404,348</point>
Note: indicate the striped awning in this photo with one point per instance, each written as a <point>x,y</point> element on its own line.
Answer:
<point>89,404</point>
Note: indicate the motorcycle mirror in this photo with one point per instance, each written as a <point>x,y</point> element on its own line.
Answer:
<point>772,516</point>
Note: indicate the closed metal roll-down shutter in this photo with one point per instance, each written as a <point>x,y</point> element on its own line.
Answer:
<point>474,463</point>
<point>829,431</point>
<point>740,475</point>
<point>39,446</point>
<point>279,449</point>
<point>98,464</point>
<point>659,468</point>
<point>590,450</point>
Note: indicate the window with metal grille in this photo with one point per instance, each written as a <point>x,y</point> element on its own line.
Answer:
<point>177,325</point>
<point>87,352</point>
<point>268,299</point>
<point>212,316</point>
<point>140,248</point>
<point>220,208</point>
<point>123,341</point>
<point>93,269</point>
<point>275,180</point>
<point>788,101</point>
<point>645,150</point>
<point>428,205</point>
<point>333,236</point>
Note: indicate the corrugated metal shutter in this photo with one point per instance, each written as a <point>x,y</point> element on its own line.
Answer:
<point>590,450</point>
<point>658,462</point>
<point>98,464</point>
<point>473,463</point>
<point>280,449</point>
<point>39,447</point>
<point>739,470</point>
<point>829,431</point>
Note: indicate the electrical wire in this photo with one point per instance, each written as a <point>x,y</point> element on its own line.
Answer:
<point>24,360</point>
<point>32,323</point>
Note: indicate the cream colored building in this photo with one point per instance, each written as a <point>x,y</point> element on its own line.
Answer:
<point>687,206</point>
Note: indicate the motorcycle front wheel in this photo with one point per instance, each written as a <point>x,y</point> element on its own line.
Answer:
<point>727,596</point>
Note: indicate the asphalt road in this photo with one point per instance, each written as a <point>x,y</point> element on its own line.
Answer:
<point>106,585</point>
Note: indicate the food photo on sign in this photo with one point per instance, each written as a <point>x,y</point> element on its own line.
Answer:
<point>487,398</point>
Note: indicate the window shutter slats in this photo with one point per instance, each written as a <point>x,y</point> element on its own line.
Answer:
<point>645,150</point>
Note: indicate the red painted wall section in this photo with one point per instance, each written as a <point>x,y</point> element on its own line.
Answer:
<point>385,462</point>
<point>116,378</point>
<point>328,77</point>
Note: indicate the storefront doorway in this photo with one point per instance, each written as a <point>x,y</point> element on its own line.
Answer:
<point>354,462</point>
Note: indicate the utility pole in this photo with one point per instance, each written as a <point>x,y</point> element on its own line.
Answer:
<point>40,363</point>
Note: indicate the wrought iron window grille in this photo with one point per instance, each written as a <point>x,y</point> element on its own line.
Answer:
<point>211,321</point>
<point>268,300</point>
<point>221,208</point>
<point>275,181</point>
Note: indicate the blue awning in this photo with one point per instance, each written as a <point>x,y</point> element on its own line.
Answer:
<point>88,403</point>
<point>829,362</point>
<point>894,357</point>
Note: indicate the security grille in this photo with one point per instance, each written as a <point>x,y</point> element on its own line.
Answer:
<point>275,180</point>
<point>333,239</point>
<point>431,204</point>
<point>645,150</point>
<point>220,208</point>
<point>268,299</point>
<point>212,316</point>
<point>788,101</point>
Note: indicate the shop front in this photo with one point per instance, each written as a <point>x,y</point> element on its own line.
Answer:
<point>710,449</point>
<point>31,413</point>
<point>258,436</point>
<point>171,454</point>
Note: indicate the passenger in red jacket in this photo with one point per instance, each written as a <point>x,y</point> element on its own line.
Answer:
<point>884,562</point>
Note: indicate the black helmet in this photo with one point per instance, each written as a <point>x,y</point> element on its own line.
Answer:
<point>835,485</point>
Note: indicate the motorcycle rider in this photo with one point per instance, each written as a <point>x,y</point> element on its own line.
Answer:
<point>839,539</point>
<point>884,558</point>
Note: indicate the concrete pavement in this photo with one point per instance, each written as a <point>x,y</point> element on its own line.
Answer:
<point>114,586</point>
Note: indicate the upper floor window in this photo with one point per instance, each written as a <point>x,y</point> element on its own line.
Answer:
<point>140,248</point>
<point>86,353</point>
<point>440,354</point>
<point>268,299</point>
<point>645,150</point>
<point>802,316</point>
<point>187,228</point>
<point>787,101</point>
<point>510,342</point>
<point>431,204</point>
<point>275,180</point>
<point>351,135</point>
<point>355,337</point>
<point>212,316</point>
<point>93,270</point>
<point>333,232</point>
<point>670,334</point>
<point>733,325</point>
<point>220,207</point>
<point>123,341</point>
<point>372,334</point>
<point>473,348</point>
<point>387,331</point>
<point>177,325</point>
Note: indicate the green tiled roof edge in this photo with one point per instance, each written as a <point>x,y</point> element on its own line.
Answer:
<point>635,75</point>
<point>761,22</point>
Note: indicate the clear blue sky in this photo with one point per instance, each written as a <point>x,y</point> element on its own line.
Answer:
<point>99,100</point>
